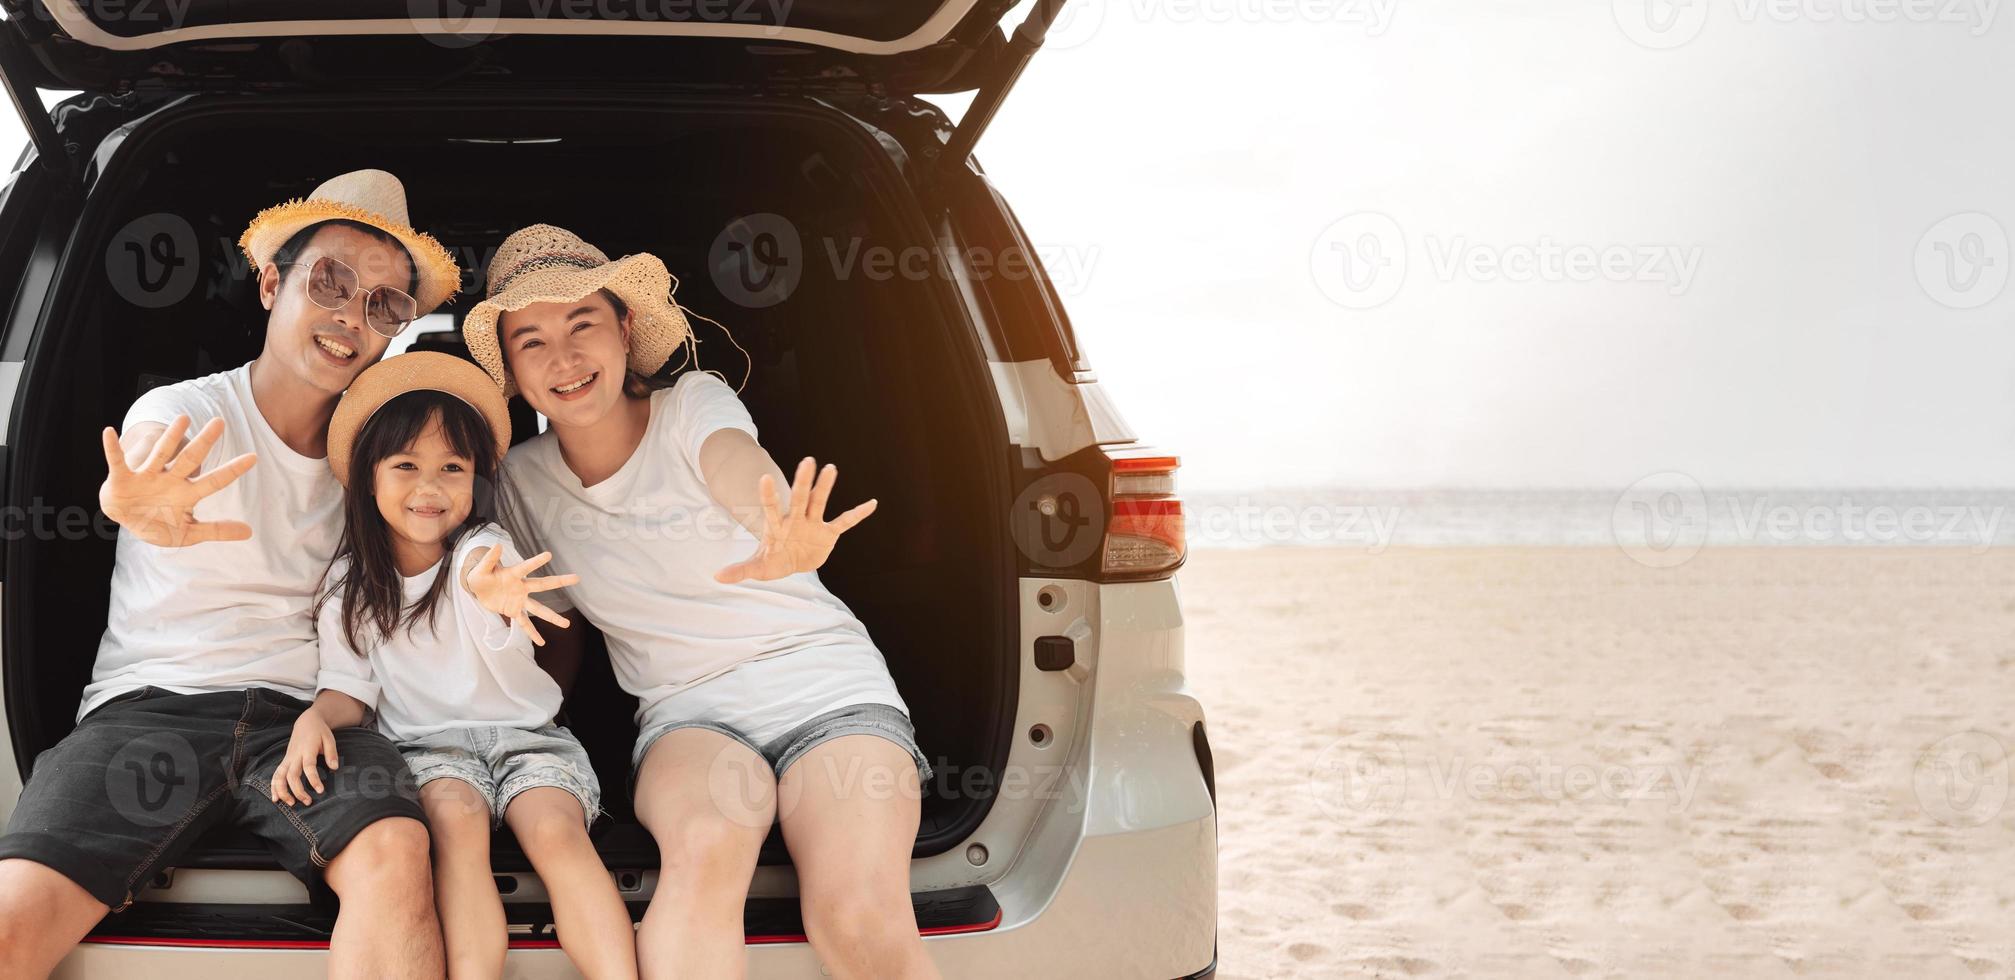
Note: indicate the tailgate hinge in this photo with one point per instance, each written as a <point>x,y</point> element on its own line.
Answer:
<point>50,149</point>
<point>1015,57</point>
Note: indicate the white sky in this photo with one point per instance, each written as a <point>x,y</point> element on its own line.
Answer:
<point>1179,159</point>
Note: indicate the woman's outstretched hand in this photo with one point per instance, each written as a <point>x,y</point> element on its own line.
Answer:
<point>508,591</point>
<point>799,540</point>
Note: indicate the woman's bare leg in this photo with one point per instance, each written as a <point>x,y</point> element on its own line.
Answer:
<point>709,801</point>
<point>850,808</point>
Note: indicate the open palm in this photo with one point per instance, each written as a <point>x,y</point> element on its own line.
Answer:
<point>507,590</point>
<point>800,540</point>
<point>156,500</point>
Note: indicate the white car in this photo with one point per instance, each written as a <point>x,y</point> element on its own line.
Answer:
<point>1019,576</point>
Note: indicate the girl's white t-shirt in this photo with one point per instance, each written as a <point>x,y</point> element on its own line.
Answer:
<point>646,543</point>
<point>472,668</point>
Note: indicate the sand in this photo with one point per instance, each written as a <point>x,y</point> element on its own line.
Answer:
<point>1497,762</point>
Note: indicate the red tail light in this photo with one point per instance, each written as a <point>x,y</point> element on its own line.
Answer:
<point>1143,531</point>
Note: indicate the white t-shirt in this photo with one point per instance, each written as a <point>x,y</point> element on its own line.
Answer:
<point>223,615</point>
<point>471,669</point>
<point>647,542</point>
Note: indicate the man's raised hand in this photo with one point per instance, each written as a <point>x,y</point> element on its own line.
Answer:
<point>156,500</point>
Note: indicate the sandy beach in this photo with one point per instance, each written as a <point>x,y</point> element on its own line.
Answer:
<point>1559,762</point>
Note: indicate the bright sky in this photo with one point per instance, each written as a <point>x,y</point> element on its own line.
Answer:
<point>1507,244</point>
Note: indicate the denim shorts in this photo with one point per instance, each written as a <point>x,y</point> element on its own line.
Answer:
<point>502,762</point>
<point>854,719</point>
<point>146,773</point>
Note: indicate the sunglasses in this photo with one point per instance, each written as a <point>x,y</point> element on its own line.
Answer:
<point>331,285</point>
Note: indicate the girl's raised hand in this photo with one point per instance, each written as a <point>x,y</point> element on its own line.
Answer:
<point>508,591</point>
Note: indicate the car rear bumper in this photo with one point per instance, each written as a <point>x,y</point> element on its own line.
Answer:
<point>1137,904</point>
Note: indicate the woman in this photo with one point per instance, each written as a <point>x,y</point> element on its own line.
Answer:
<point>761,698</point>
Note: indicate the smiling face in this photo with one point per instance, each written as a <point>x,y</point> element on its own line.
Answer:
<point>327,349</point>
<point>569,359</point>
<point>424,491</point>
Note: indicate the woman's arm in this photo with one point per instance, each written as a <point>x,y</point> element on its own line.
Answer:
<point>733,466</point>
<point>793,534</point>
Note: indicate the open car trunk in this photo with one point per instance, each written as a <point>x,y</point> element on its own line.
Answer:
<point>879,373</point>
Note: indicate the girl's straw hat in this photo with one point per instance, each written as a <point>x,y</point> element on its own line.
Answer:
<point>413,371</point>
<point>544,264</point>
<point>373,197</point>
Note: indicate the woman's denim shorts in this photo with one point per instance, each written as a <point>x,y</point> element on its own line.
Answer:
<point>884,720</point>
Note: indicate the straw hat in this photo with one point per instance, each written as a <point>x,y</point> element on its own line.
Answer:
<point>373,197</point>
<point>413,371</point>
<point>544,264</point>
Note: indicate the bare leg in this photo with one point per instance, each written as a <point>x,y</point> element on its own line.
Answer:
<point>709,801</point>
<point>385,928</point>
<point>42,916</point>
<point>594,925</point>
<point>472,914</point>
<point>850,808</point>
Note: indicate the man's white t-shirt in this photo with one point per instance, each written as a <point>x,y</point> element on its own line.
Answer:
<point>646,543</point>
<point>469,669</point>
<point>224,615</point>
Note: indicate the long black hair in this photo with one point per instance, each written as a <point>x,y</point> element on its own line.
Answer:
<point>372,590</point>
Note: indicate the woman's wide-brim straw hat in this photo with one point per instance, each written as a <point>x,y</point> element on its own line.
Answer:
<point>413,371</point>
<point>373,197</point>
<point>545,264</point>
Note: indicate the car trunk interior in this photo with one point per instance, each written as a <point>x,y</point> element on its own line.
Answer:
<point>878,374</point>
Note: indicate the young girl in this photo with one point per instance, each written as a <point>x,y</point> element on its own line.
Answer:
<point>426,620</point>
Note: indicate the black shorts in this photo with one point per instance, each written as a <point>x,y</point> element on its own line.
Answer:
<point>148,772</point>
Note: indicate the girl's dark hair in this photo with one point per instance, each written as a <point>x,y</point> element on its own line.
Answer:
<point>373,593</point>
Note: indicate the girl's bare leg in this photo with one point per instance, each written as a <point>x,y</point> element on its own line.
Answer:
<point>588,912</point>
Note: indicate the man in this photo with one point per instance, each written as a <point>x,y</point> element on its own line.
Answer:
<point>209,649</point>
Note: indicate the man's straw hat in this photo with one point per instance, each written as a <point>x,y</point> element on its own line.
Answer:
<point>373,197</point>
<point>545,264</point>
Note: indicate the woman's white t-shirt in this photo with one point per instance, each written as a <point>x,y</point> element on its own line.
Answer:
<point>470,669</point>
<point>646,543</point>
